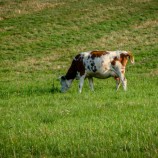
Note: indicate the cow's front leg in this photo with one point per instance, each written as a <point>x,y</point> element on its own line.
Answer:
<point>90,79</point>
<point>81,82</point>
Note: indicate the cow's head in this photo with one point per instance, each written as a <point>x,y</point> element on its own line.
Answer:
<point>64,84</point>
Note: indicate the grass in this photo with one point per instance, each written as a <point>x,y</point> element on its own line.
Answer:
<point>38,41</point>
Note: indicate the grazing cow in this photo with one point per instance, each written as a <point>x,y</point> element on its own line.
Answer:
<point>98,64</point>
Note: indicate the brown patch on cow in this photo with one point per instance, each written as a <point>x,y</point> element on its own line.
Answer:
<point>117,78</point>
<point>80,66</point>
<point>114,61</point>
<point>76,66</point>
<point>71,73</point>
<point>123,59</point>
<point>95,54</point>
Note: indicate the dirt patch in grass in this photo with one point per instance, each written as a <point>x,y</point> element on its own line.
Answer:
<point>137,35</point>
<point>142,1</point>
<point>154,72</point>
<point>14,9</point>
<point>147,24</point>
<point>52,61</point>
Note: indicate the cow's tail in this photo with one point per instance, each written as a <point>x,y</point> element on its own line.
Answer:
<point>131,57</point>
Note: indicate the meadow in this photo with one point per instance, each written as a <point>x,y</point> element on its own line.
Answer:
<point>38,40</point>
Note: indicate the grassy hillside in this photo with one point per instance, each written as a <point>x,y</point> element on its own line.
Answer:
<point>38,40</point>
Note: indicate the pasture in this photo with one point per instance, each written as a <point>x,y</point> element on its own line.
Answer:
<point>38,40</point>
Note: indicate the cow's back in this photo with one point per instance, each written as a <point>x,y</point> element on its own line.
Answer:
<point>96,61</point>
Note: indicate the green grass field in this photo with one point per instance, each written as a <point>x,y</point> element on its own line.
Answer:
<point>38,40</point>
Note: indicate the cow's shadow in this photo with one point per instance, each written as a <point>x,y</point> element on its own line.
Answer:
<point>54,89</point>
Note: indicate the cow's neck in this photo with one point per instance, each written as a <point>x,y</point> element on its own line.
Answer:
<point>71,73</point>
<point>70,76</point>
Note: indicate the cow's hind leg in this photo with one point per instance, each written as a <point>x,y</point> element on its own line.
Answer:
<point>118,83</point>
<point>90,79</point>
<point>121,75</point>
<point>125,84</point>
<point>123,80</point>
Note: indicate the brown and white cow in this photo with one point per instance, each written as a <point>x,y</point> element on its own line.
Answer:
<point>98,64</point>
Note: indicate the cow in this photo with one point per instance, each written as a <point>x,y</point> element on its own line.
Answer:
<point>98,64</point>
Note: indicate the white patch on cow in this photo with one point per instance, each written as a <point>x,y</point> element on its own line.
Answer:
<point>85,54</point>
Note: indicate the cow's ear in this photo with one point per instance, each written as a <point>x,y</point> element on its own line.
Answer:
<point>63,77</point>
